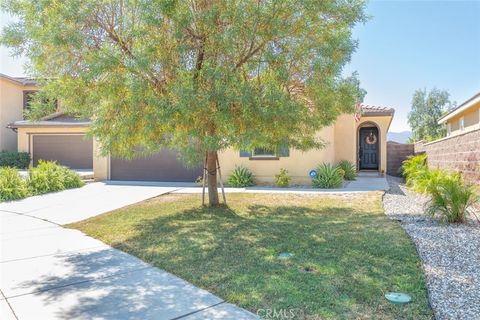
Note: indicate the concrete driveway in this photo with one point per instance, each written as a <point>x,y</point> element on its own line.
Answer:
<point>49,272</point>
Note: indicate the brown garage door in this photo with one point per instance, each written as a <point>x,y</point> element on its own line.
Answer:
<point>163,166</point>
<point>73,151</point>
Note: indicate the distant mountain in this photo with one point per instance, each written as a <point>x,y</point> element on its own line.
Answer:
<point>400,137</point>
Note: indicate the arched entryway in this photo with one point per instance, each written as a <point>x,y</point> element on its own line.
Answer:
<point>368,146</point>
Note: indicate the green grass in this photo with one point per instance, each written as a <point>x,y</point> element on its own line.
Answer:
<point>358,253</point>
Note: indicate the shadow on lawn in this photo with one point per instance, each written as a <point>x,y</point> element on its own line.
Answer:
<point>358,255</point>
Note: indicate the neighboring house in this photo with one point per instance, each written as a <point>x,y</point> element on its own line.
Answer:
<point>57,137</point>
<point>464,118</point>
<point>14,97</point>
<point>63,138</point>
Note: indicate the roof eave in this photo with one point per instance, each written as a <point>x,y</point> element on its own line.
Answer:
<point>25,83</point>
<point>461,108</point>
<point>48,125</point>
<point>379,114</point>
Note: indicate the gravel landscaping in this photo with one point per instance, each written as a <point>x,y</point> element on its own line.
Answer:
<point>450,253</point>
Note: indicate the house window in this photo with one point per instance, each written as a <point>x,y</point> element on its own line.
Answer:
<point>449,129</point>
<point>262,152</point>
<point>462,123</point>
<point>27,98</point>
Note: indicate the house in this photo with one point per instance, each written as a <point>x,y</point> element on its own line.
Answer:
<point>464,118</point>
<point>361,140</point>
<point>14,97</point>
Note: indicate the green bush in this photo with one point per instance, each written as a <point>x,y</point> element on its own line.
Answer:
<point>450,197</point>
<point>427,179</point>
<point>19,160</point>
<point>415,168</point>
<point>282,179</point>
<point>12,185</point>
<point>241,177</point>
<point>328,176</point>
<point>349,169</point>
<point>48,176</point>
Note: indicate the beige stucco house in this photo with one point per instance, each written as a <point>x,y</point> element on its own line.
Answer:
<point>63,138</point>
<point>361,140</point>
<point>465,118</point>
<point>14,95</point>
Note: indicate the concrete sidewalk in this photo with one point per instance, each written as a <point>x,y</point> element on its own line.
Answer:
<point>93,199</point>
<point>49,272</point>
<point>361,184</point>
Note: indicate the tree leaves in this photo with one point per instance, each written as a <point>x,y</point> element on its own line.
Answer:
<point>427,109</point>
<point>193,75</point>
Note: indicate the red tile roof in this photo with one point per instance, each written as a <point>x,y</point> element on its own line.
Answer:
<point>369,110</point>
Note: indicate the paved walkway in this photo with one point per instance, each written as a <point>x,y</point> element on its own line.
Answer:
<point>49,272</point>
<point>364,183</point>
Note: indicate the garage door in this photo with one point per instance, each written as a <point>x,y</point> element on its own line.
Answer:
<point>163,166</point>
<point>73,151</point>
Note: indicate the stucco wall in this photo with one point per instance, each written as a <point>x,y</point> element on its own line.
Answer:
<point>341,141</point>
<point>101,164</point>
<point>471,121</point>
<point>11,109</point>
<point>345,132</point>
<point>298,163</point>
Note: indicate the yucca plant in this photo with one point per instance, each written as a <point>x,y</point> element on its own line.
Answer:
<point>241,177</point>
<point>450,198</point>
<point>328,176</point>
<point>12,185</point>
<point>349,169</point>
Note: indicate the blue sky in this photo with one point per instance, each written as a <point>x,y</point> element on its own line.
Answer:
<point>407,45</point>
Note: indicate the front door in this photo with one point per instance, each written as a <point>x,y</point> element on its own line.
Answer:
<point>368,148</point>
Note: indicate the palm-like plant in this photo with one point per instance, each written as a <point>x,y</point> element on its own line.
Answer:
<point>450,198</point>
<point>415,168</point>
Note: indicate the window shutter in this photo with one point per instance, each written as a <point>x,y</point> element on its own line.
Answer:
<point>245,154</point>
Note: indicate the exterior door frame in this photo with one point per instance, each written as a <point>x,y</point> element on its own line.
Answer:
<point>369,124</point>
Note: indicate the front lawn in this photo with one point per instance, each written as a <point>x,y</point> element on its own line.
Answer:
<point>356,252</point>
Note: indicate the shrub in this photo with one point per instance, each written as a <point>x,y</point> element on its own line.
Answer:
<point>12,185</point>
<point>328,176</point>
<point>427,179</point>
<point>415,168</point>
<point>349,169</point>
<point>241,177</point>
<point>19,160</point>
<point>282,179</point>
<point>48,176</point>
<point>450,197</point>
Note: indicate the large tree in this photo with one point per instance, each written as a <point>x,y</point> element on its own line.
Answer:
<point>198,76</point>
<point>426,110</point>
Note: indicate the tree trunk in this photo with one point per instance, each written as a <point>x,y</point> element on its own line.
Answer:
<point>212,179</point>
